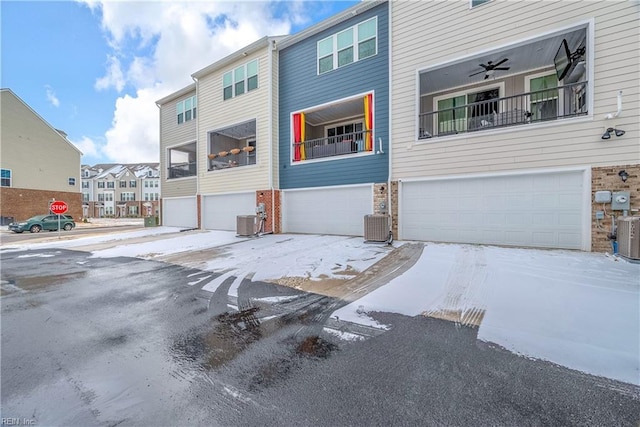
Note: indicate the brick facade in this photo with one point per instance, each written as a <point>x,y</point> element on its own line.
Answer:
<point>22,204</point>
<point>394,208</point>
<point>271,200</point>
<point>607,178</point>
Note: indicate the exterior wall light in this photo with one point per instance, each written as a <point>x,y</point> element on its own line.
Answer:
<point>623,175</point>
<point>607,133</point>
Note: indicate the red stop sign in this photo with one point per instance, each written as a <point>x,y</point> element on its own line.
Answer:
<point>58,207</point>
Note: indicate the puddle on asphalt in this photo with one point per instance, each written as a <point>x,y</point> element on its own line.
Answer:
<point>233,332</point>
<point>36,283</point>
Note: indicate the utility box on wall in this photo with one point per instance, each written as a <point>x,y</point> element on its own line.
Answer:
<point>620,201</point>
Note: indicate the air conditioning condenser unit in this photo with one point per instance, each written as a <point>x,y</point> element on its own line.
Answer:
<point>628,236</point>
<point>246,225</point>
<point>376,228</point>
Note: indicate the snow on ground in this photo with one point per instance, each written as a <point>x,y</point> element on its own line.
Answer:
<point>577,309</point>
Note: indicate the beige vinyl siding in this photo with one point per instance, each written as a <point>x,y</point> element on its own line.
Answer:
<point>453,32</point>
<point>38,156</point>
<point>174,134</point>
<point>216,113</point>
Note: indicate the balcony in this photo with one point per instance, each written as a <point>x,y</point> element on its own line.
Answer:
<point>348,143</point>
<point>232,147</point>
<point>541,79</point>
<point>532,107</point>
<point>182,170</point>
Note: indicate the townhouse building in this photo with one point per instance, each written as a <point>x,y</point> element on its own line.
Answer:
<point>470,121</point>
<point>509,116</point>
<point>120,190</point>
<point>38,164</point>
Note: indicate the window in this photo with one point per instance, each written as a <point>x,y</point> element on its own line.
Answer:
<point>72,181</point>
<point>475,3</point>
<point>123,184</point>
<point>133,210</point>
<point>5,177</point>
<point>543,103</point>
<point>146,184</point>
<point>186,109</point>
<point>345,131</point>
<point>85,184</point>
<point>100,184</point>
<point>86,174</point>
<point>132,184</point>
<point>127,197</point>
<point>240,80</point>
<point>85,197</point>
<point>155,183</point>
<point>108,197</point>
<point>111,184</point>
<point>101,197</point>
<point>454,114</point>
<point>350,45</point>
<point>108,210</point>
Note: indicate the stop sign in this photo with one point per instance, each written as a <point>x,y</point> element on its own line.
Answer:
<point>58,207</point>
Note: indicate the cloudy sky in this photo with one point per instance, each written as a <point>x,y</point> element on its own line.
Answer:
<point>95,68</point>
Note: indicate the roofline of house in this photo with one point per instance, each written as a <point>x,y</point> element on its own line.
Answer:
<point>330,22</point>
<point>181,92</point>
<point>56,131</point>
<point>239,54</point>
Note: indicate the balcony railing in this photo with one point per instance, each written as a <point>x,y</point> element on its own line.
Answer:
<point>532,107</point>
<point>182,170</point>
<point>348,143</point>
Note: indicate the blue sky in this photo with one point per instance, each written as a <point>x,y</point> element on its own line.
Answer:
<point>94,69</point>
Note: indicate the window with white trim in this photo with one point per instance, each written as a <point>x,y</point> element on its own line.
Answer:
<point>350,45</point>
<point>100,184</point>
<point>111,184</point>
<point>127,196</point>
<point>72,181</point>
<point>186,109</point>
<point>5,178</point>
<point>240,80</point>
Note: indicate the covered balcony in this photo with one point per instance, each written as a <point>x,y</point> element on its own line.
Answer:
<point>232,147</point>
<point>338,129</point>
<point>540,81</point>
<point>182,161</point>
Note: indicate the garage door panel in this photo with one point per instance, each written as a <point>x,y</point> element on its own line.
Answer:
<point>180,212</point>
<point>220,211</point>
<point>540,210</point>
<point>338,211</point>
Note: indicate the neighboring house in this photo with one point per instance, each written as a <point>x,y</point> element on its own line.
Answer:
<point>178,158</point>
<point>237,129</point>
<point>38,163</point>
<point>222,162</point>
<point>334,122</point>
<point>499,109</point>
<point>120,190</point>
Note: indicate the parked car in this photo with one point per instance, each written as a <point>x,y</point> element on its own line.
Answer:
<point>43,222</point>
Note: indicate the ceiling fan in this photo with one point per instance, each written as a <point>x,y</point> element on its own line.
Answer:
<point>490,68</point>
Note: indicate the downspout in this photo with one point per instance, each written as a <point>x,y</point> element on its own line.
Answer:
<point>198,171</point>
<point>617,113</point>
<point>160,168</point>
<point>389,115</point>
<point>272,48</point>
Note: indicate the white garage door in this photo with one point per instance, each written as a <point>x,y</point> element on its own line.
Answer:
<point>538,210</point>
<point>219,212</point>
<point>180,212</point>
<point>335,210</point>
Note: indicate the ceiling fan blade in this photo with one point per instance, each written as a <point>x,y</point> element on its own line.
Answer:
<point>486,76</point>
<point>485,66</point>
<point>500,62</point>
<point>501,68</point>
<point>475,74</point>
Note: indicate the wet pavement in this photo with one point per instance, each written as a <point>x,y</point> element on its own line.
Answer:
<point>122,341</point>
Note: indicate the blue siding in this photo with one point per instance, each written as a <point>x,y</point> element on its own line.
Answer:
<point>301,88</point>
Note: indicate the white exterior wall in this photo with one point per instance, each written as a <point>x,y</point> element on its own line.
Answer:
<point>426,34</point>
<point>216,113</point>
<point>173,134</point>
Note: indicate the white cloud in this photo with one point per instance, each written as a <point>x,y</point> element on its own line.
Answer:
<point>88,147</point>
<point>113,78</point>
<point>51,96</point>
<point>156,46</point>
